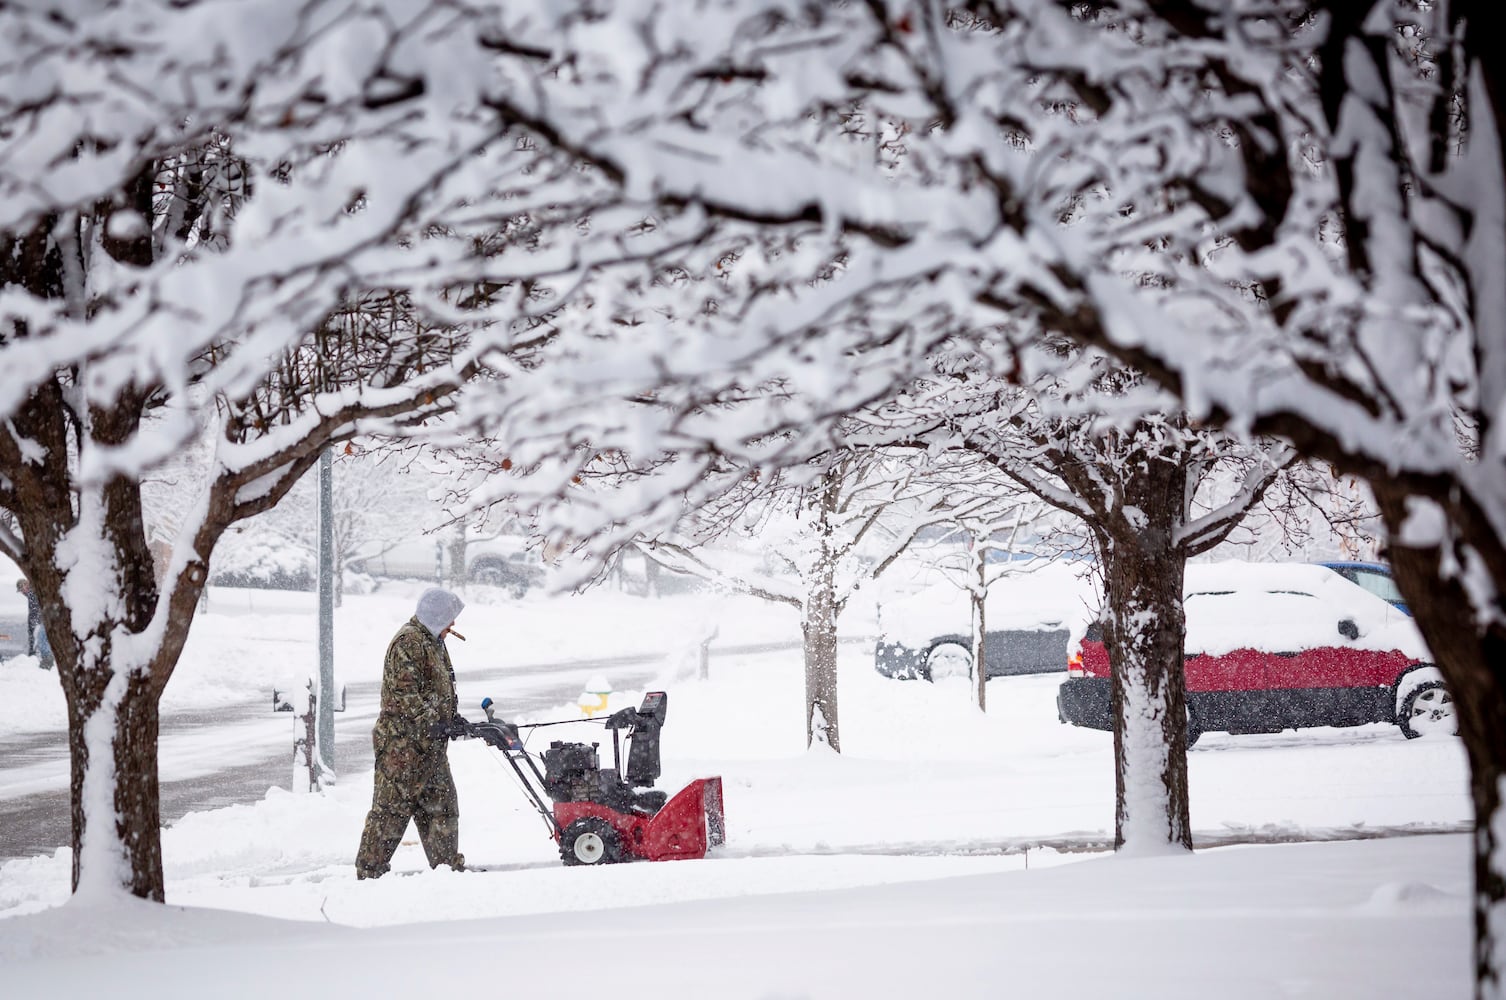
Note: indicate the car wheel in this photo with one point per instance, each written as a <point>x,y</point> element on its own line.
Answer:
<point>949,659</point>
<point>1428,710</point>
<point>590,841</point>
<point>488,573</point>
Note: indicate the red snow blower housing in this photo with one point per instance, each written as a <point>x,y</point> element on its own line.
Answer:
<point>601,815</point>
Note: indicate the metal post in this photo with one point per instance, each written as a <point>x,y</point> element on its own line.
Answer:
<point>326,740</point>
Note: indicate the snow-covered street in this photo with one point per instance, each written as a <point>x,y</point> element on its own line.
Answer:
<point>926,835</point>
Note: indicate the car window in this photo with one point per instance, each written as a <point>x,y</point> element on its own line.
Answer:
<point>1379,584</point>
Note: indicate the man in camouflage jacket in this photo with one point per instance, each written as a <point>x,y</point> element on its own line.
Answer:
<point>412,764</point>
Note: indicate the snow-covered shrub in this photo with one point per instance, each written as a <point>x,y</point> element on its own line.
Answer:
<point>262,560</point>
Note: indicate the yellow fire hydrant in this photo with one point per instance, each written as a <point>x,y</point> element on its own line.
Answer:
<point>594,698</point>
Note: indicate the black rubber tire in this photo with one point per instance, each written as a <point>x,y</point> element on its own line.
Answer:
<point>590,841</point>
<point>1404,716</point>
<point>942,646</point>
<point>488,572</point>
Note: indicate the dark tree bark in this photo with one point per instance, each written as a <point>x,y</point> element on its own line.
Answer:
<point>1135,530</point>
<point>1145,634</point>
<point>1472,659</point>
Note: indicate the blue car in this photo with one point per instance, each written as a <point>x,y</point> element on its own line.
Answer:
<point>1374,577</point>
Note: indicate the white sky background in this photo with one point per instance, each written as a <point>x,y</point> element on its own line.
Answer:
<point>837,879</point>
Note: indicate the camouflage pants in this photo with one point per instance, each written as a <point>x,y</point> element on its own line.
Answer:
<point>412,782</point>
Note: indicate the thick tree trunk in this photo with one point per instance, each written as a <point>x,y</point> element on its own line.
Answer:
<point>1473,662</point>
<point>112,737</point>
<point>113,688</point>
<point>113,659</point>
<point>1144,635</point>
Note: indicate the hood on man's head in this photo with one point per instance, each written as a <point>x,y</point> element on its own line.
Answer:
<point>437,608</point>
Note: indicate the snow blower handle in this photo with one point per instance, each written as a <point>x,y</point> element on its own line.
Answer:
<point>456,728</point>
<point>498,732</point>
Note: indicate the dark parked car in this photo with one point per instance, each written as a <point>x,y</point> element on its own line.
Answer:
<point>1029,619</point>
<point>1273,646</point>
<point>1374,577</point>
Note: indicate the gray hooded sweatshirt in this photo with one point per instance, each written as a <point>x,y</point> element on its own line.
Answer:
<point>437,608</point>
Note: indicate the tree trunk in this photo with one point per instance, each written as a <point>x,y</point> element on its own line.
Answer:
<point>1144,634</point>
<point>112,683</point>
<point>818,624</point>
<point>457,574</point>
<point>1473,663</point>
<point>979,593</point>
<point>113,657</point>
<point>112,738</point>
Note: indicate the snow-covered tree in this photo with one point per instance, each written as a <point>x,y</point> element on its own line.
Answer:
<point>996,529</point>
<point>1312,515</point>
<point>1144,491</point>
<point>193,198</point>
<point>827,528</point>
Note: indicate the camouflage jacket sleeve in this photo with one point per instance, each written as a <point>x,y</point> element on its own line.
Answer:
<point>418,686</point>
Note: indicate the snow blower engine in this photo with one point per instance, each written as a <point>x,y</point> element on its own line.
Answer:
<point>600,815</point>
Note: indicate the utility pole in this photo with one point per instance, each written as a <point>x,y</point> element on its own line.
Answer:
<point>326,702</point>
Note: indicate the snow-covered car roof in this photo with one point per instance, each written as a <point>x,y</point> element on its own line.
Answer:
<point>1033,597</point>
<point>1287,606</point>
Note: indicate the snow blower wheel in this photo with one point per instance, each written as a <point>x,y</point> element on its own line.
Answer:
<point>590,841</point>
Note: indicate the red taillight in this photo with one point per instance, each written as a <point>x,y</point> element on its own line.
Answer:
<point>1074,665</point>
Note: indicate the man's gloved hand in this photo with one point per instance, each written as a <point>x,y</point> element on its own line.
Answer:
<point>455,728</point>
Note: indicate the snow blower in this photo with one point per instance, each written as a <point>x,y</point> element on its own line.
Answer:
<point>599,815</point>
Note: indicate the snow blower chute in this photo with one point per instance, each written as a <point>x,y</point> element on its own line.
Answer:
<point>600,815</point>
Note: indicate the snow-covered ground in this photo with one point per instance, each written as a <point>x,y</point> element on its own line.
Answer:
<point>880,872</point>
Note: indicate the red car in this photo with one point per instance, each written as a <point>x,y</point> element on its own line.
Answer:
<point>1273,646</point>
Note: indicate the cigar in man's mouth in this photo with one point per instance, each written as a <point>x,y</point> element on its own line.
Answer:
<point>457,635</point>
